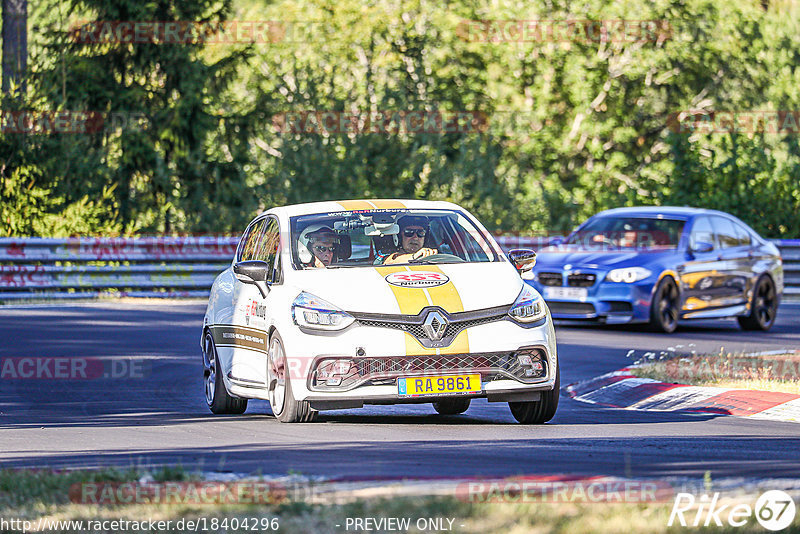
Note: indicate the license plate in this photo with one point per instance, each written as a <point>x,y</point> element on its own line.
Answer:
<point>566,293</point>
<point>438,385</point>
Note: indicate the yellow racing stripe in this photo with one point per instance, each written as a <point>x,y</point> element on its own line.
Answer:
<point>356,205</point>
<point>388,204</point>
<point>412,300</point>
<point>445,296</point>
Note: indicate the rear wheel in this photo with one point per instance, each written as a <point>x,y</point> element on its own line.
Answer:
<point>763,307</point>
<point>279,387</point>
<point>665,309</point>
<point>217,397</point>
<point>541,411</point>
<point>451,406</point>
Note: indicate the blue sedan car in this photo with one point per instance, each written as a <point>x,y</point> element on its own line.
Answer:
<point>660,265</point>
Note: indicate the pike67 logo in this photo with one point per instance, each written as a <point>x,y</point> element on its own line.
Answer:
<point>774,510</point>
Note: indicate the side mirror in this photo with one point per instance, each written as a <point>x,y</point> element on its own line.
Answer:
<point>254,272</point>
<point>702,247</point>
<point>523,259</point>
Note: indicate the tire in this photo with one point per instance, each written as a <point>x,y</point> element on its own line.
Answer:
<point>763,307</point>
<point>217,397</point>
<point>452,406</point>
<point>281,399</point>
<point>665,308</point>
<point>541,411</point>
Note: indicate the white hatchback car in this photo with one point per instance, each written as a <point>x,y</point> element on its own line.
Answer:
<point>334,305</point>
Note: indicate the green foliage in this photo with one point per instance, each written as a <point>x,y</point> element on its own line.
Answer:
<point>574,126</point>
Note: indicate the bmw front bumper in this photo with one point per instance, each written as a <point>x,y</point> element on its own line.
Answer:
<point>605,302</point>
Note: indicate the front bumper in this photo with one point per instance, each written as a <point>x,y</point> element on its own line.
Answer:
<point>494,391</point>
<point>605,302</point>
<point>374,343</point>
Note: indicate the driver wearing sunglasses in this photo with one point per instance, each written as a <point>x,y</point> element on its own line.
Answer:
<point>413,230</point>
<point>322,245</point>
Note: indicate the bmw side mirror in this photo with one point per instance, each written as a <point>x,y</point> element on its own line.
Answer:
<point>254,272</point>
<point>702,247</point>
<point>523,259</point>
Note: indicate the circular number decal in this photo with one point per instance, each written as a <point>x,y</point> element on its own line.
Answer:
<point>775,510</point>
<point>417,279</point>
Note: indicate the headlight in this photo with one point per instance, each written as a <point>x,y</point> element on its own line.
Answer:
<point>628,275</point>
<point>528,307</point>
<point>313,312</point>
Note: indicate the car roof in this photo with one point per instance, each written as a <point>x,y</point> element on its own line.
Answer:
<point>359,204</point>
<point>682,212</point>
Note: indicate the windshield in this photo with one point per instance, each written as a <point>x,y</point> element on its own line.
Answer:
<point>629,233</point>
<point>387,237</point>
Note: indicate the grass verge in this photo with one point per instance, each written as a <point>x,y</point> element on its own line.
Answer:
<point>765,372</point>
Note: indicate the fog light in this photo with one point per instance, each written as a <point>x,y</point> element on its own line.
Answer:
<point>524,359</point>
<point>331,372</point>
<point>537,366</point>
<point>530,372</point>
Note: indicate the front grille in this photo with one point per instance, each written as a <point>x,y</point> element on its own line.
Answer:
<point>413,323</point>
<point>581,279</point>
<point>386,370</point>
<point>550,279</point>
<point>571,308</point>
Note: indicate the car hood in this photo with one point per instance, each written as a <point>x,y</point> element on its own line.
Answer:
<point>593,259</point>
<point>469,287</point>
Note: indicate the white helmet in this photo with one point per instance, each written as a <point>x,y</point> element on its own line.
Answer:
<point>303,251</point>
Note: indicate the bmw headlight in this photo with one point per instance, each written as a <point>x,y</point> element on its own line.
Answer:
<point>628,275</point>
<point>528,307</point>
<point>311,311</point>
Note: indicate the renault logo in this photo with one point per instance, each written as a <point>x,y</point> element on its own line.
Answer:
<point>434,326</point>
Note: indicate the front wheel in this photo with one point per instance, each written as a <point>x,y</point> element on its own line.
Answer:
<point>279,388</point>
<point>763,307</point>
<point>541,411</point>
<point>665,309</point>
<point>217,397</point>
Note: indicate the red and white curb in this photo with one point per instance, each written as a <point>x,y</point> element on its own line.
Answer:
<point>621,389</point>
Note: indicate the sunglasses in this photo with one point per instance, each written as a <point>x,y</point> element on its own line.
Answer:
<point>410,233</point>
<point>321,249</point>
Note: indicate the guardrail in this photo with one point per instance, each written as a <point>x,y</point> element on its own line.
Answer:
<point>75,268</point>
<point>168,267</point>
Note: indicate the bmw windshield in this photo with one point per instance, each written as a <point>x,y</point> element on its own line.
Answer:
<point>387,237</point>
<point>641,233</point>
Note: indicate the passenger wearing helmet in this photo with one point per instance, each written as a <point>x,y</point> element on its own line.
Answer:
<point>413,230</point>
<point>321,242</point>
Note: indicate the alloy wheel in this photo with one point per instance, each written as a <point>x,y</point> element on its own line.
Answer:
<point>276,376</point>
<point>668,306</point>
<point>765,303</point>
<point>210,368</point>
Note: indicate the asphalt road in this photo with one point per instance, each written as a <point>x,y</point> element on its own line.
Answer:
<point>158,416</point>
